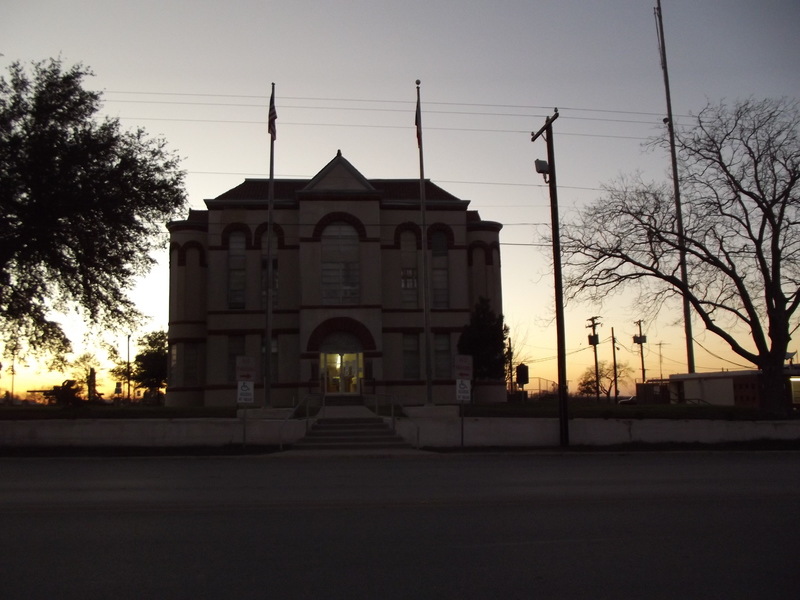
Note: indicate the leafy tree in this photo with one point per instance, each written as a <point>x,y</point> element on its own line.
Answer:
<point>150,365</point>
<point>82,205</point>
<point>586,383</point>
<point>149,368</point>
<point>484,338</point>
<point>739,172</point>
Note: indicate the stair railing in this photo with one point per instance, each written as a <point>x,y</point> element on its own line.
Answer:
<point>299,407</point>
<point>394,408</point>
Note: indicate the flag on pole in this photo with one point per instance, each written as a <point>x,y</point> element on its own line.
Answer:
<point>418,121</point>
<point>273,115</point>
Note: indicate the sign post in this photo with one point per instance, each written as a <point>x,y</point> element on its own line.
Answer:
<point>245,380</point>
<point>244,393</point>
<point>462,371</point>
<point>245,389</point>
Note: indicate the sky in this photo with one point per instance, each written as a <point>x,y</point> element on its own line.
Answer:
<point>198,73</point>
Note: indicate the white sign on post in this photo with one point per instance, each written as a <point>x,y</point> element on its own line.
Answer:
<point>462,370</point>
<point>244,394</point>
<point>245,379</point>
<point>463,388</point>
<point>245,368</point>
<point>462,367</point>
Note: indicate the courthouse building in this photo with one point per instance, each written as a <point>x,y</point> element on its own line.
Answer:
<point>348,315</point>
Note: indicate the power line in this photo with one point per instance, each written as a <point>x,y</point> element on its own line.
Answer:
<point>730,362</point>
<point>369,109</point>
<point>448,181</point>
<point>385,101</point>
<point>371,126</point>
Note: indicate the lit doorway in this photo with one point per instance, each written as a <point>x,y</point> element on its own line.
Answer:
<point>342,372</point>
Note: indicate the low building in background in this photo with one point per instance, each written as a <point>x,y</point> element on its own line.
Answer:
<point>729,388</point>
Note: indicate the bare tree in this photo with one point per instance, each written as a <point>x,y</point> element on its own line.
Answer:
<point>516,353</point>
<point>739,171</point>
<point>587,385</point>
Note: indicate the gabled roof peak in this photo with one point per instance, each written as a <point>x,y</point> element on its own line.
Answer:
<point>339,176</point>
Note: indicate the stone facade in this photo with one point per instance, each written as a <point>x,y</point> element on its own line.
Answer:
<point>348,314</point>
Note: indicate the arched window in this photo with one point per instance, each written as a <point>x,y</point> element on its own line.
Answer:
<point>409,280</point>
<point>237,278</point>
<point>274,256</point>
<point>341,277</point>
<point>440,278</point>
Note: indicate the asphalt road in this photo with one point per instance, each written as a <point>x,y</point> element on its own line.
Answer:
<point>539,525</point>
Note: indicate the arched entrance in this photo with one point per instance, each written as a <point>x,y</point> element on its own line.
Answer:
<point>341,364</point>
<point>340,344</point>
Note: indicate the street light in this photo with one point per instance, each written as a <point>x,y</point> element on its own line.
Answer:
<point>548,170</point>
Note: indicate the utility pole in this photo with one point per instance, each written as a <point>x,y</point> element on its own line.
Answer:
<point>128,369</point>
<point>660,360</point>
<point>509,369</point>
<point>594,339</point>
<point>426,277</point>
<point>548,170</point>
<point>614,358</point>
<point>640,339</point>
<point>687,312</point>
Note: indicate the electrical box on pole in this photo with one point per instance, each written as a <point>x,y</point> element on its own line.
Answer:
<point>641,339</point>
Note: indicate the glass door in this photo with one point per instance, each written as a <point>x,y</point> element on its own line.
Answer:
<point>343,372</point>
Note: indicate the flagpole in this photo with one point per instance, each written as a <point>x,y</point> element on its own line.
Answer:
<point>268,284</point>
<point>425,276</point>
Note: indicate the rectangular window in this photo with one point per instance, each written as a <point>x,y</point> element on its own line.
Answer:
<point>273,359</point>
<point>186,364</point>
<point>236,347</point>
<point>408,286</point>
<point>440,288</point>
<point>192,363</point>
<point>264,282</point>
<point>174,365</point>
<point>340,283</point>
<point>410,356</point>
<point>237,277</point>
<point>340,276</point>
<point>442,359</point>
<point>440,280</point>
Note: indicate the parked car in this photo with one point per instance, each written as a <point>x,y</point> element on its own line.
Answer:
<point>630,400</point>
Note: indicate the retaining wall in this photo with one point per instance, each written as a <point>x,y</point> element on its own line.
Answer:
<point>499,432</point>
<point>435,428</point>
<point>150,433</point>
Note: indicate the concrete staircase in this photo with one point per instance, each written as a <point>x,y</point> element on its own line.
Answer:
<point>351,430</point>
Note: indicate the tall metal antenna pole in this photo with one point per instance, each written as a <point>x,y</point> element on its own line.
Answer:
<point>687,309</point>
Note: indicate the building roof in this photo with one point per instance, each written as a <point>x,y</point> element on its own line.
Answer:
<point>337,177</point>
